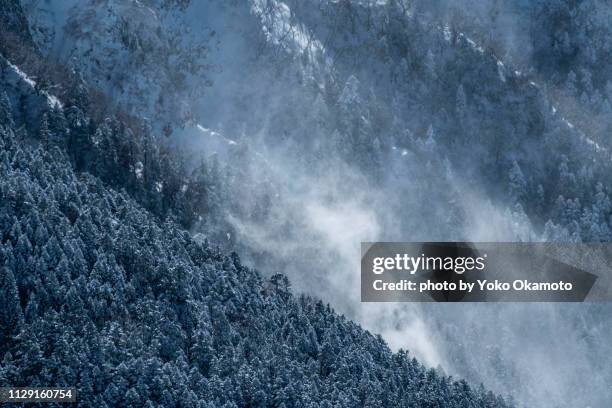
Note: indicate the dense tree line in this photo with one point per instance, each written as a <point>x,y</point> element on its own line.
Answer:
<point>134,159</point>
<point>98,271</point>
<point>95,292</point>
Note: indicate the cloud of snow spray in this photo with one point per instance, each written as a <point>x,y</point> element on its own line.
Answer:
<point>535,352</point>
<point>313,233</point>
<point>543,354</point>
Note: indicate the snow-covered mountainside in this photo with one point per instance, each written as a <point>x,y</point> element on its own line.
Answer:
<point>298,129</point>
<point>144,57</point>
<point>99,293</point>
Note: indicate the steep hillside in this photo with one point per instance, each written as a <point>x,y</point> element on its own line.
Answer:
<point>381,78</point>
<point>297,129</point>
<point>97,293</point>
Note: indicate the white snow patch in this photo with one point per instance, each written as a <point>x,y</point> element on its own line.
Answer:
<point>138,3</point>
<point>472,43</point>
<point>216,134</point>
<point>447,33</point>
<point>22,74</point>
<point>593,143</point>
<point>500,71</point>
<point>52,100</point>
<point>475,46</point>
<point>139,170</point>
<point>276,25</point>
<point>587,139</point>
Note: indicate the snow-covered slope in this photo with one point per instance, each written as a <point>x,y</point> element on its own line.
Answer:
<point>341,121</point>
<point>142,55</point>
<point>20,87</point>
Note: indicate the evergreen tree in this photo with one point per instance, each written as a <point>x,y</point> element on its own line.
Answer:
<point>44,133</point>
<point>6,116</point>
<point>518,184</point>
<point>11,315</point>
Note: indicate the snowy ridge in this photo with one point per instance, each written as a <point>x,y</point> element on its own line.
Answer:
<point>278,29</point>
<point>52,100</point>
<point>596,147</point>
<point>213,137</point>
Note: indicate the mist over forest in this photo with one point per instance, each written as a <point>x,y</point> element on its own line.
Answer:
<point>285,133</point>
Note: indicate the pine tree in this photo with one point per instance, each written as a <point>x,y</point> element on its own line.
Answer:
<point>78,140</point>
<point>570,84</point>
<point>11,315</point>
<point>518,185</point>
<point>44,133</point>
<point>6,116</point>
<point>58,126</point>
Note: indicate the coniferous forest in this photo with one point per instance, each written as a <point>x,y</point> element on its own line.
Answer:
<point>184,186</point>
